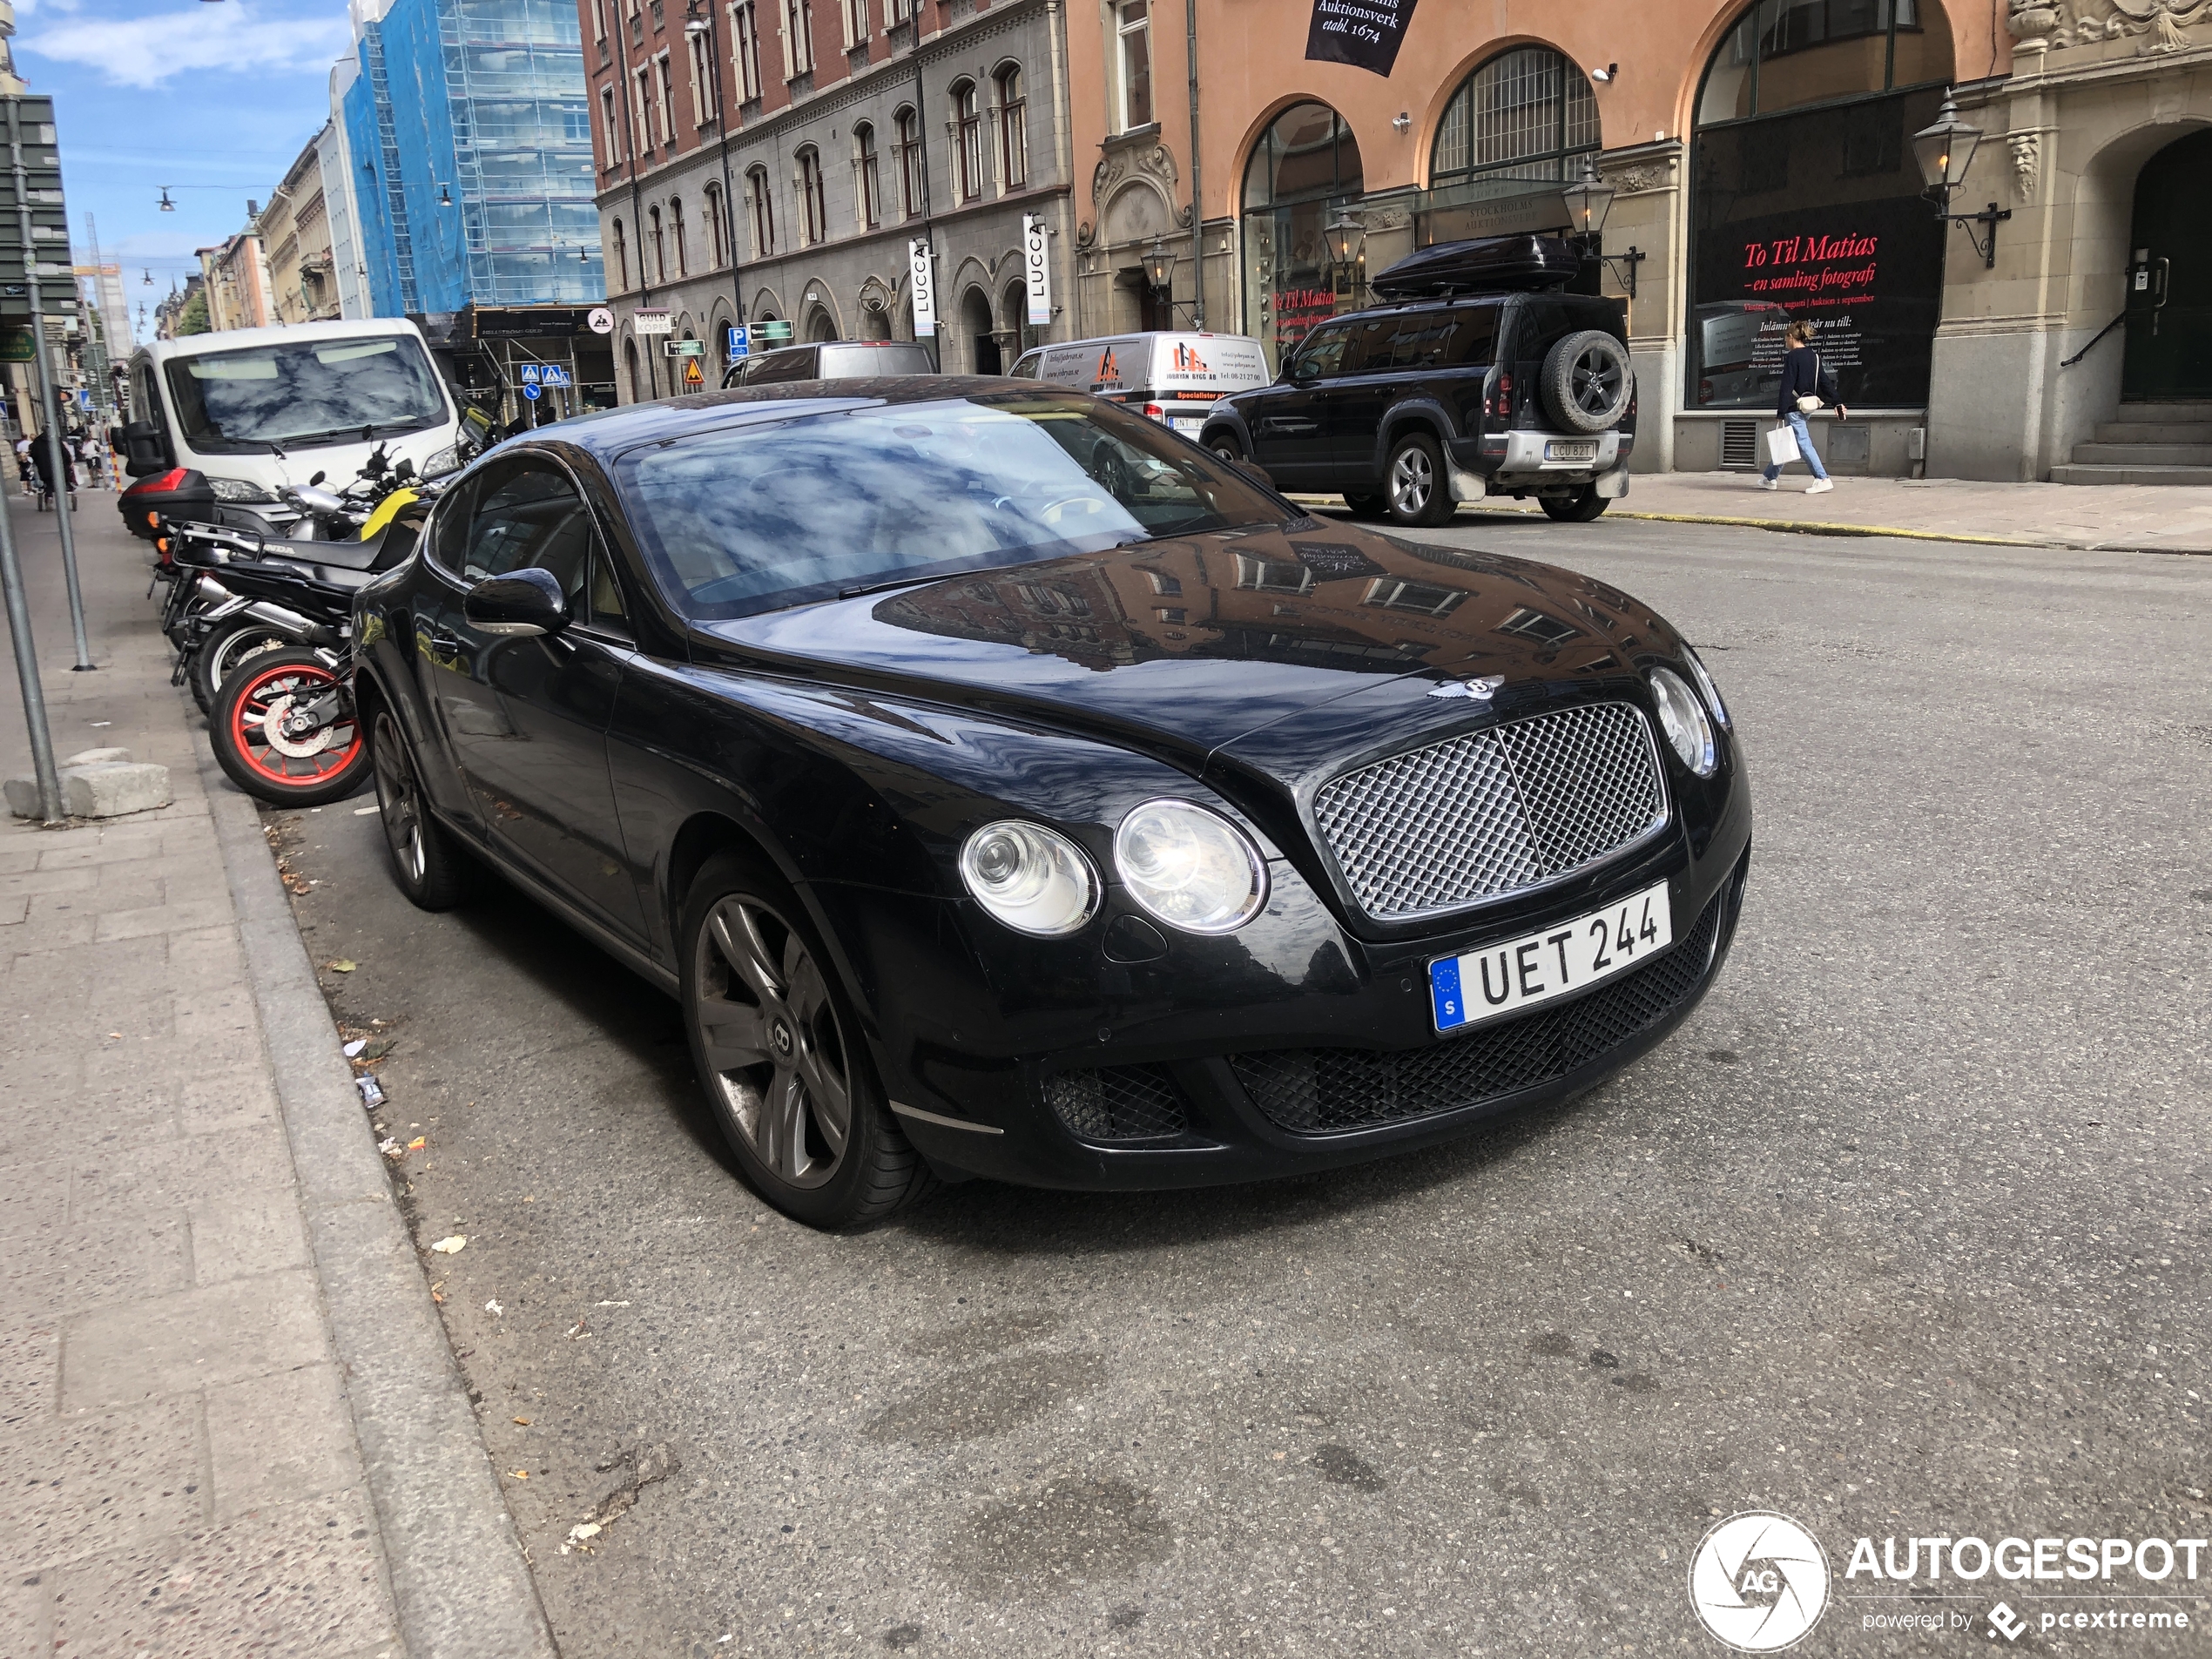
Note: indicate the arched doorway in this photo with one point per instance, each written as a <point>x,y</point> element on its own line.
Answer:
<point>630,371</point>
<point>975,333</point>
<point>1302,170</point>
<point>2170,285</point>
<point>1515,130</point>
<point>821,327</point>
<point>1805,203</point>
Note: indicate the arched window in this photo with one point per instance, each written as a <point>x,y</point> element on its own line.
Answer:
<point>660,246</point>
<point>813,206</point>
<point>1523,119</point>
<point>1014,134</point>
<point>717,226</point>
<point>968,139</point>
<point>1805,201</point>
<point>1306,166</point>
<point>676,234</point>
<point>622,261</point>
<point>867,181</point>
<point>762,209</point>
<point>907,152</point>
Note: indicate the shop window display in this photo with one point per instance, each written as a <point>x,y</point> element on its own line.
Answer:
<point>1305,167</point>
<point>1805,201</point>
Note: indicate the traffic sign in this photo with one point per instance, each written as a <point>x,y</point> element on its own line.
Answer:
<point>687,348</point>
<point>692,377</point>
<point>531,390</point>
<point>553,375</point>
<point>775,331</point>
<point>735,348</point>
<point>529,374</point>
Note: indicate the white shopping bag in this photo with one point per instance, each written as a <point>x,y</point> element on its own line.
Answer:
<point>1780,446</point>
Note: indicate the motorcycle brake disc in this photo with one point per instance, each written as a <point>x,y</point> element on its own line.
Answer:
<point>273,731</point>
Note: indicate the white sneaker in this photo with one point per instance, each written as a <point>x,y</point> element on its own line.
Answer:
<point>1818,487</point>
<point>1770,483</point>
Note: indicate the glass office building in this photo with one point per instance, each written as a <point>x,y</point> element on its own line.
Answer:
<point>471,139</point>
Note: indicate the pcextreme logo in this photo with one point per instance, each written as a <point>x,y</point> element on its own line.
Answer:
<point>1759,1582</point>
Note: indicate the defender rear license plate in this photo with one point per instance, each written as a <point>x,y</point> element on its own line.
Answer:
<point>1570,452</point>
<point>1509,978</point>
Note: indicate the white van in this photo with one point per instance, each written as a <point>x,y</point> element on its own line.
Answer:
<point>259,408</point>
<point>1172,378</point>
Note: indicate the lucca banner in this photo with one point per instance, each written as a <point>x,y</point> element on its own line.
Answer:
<point>1365,34</point>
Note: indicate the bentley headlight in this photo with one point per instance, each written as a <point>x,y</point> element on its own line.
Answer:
<point>447,460</point>
<point>1190,867</point>
<point>243,489</point>
<point>1034,879</point>
<point>1705,685</point>
<point>1682,717</point>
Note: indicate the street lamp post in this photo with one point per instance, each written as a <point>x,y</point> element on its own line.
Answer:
<point>1589,199</point>
<point>1944,151</point>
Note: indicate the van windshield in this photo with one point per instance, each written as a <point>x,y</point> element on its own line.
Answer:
<point>285,396</point>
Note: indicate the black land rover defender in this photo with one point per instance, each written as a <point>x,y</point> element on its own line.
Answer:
<point>1485,379</point>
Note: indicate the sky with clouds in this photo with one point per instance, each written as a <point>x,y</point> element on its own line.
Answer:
<point>212,98</point>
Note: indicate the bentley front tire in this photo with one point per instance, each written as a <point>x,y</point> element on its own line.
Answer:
<point>427,861</point>
<point>782,1059</point>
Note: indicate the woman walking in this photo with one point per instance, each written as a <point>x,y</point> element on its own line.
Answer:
<point>1806,384</point>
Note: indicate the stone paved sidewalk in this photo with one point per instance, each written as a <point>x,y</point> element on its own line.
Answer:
<point>182,1411</point>
<point>2152,518</point>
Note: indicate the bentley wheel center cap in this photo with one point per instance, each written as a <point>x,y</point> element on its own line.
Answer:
<point>779,1035</point>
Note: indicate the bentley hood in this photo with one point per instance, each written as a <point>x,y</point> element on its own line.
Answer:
<point>1317,639</point>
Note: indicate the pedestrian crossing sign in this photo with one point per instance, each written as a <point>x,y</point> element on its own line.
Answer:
<point>529,375</point>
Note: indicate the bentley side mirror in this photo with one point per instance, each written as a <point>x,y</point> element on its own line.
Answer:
<point>517,605</point>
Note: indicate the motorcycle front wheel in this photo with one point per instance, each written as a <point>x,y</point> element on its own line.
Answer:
<point>253,726</point>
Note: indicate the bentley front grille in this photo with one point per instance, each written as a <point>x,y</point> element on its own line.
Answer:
<point>1492,812</point>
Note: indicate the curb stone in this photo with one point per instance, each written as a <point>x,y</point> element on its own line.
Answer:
<point>461,1583</point>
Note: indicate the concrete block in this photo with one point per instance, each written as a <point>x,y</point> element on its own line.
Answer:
<point>200,1339</point>
<point>80,1485</point>
<point>111,790</point>
<point>100,758</point>
<point>184,916</point>
<point>277,1439</point>
<point>117,1185</point>
<point>101,789</point>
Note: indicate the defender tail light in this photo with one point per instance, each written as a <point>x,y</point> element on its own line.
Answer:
<point>1153,411</point>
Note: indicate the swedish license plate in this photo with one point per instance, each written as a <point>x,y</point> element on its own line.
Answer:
<point>1570,452</point>
<point>1512,977</point>
<point>1192,424</point>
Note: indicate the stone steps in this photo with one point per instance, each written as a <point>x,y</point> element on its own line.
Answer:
<point>2144,454</point>
<point>2153,431</point>
<point>2193,414</point>
<point>2095,474</point>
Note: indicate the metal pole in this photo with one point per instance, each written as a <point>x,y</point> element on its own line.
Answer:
<point>928,227</point>
<point>34,696</point>
<point>53,436</point>
<point>1197,195</point>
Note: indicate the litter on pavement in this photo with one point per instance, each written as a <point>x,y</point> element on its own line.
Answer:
<point>450,1246</point>
<point>372,1092</point>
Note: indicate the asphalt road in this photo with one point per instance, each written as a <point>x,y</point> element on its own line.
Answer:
<point>1903,1234</point>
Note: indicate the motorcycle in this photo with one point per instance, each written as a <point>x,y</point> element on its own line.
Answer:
<point>282,720</point>
<point>219,614</point>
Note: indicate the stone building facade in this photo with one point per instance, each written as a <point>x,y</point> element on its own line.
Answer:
<point>774,160</point>
<point>1762,161</point>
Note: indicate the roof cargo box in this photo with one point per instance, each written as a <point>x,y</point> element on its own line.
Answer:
<point>1491,264</point>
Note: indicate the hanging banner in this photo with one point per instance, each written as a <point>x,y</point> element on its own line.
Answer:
<point>925,287</point>
<point>1365,34</point>
<point>1036,269</point>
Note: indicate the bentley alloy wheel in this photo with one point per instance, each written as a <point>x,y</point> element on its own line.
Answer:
<point>776,1058</point>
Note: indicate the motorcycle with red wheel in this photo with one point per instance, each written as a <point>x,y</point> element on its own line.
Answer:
<point>284,728</point>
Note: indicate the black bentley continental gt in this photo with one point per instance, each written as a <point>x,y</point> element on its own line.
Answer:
<point>1008,787</point>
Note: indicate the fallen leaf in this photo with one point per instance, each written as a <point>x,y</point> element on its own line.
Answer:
<point>450,1246</point>
<point>117,1036</point>
<point>342,965</point>
<point>523,1421</point>
<point>518,1474</point>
